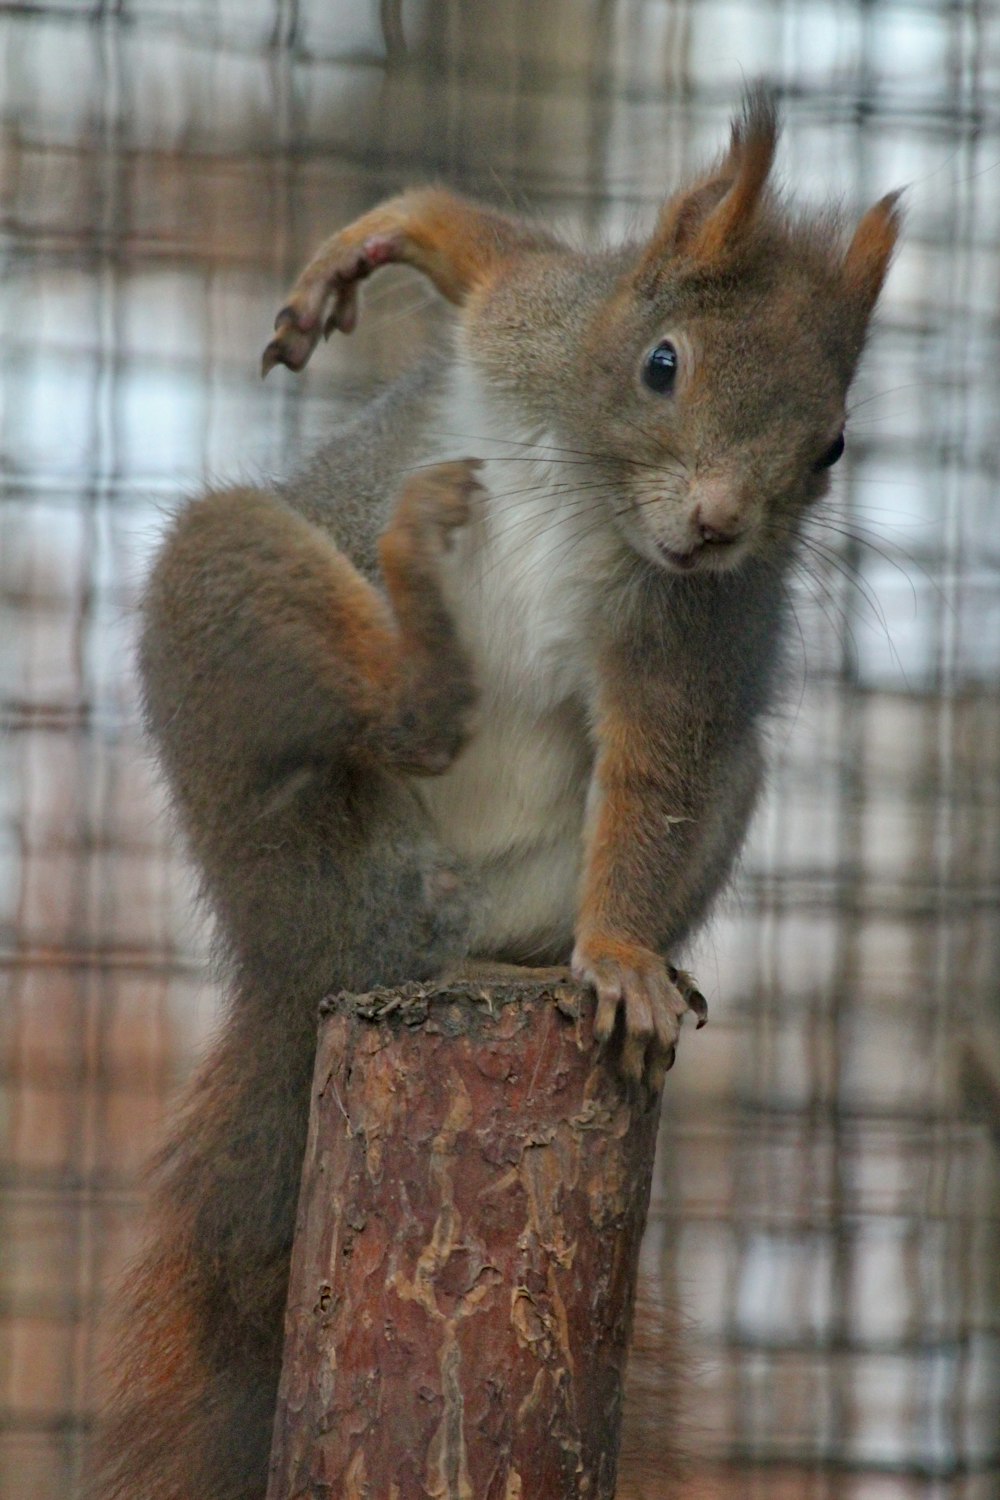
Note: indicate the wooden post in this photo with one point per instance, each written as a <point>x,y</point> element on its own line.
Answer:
<point>474,1193</point>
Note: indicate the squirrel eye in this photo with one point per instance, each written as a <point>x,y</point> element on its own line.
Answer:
<point>660,370</point>
<point>832,453</point>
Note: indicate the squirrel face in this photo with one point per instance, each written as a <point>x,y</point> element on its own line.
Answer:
<point>704,373</point>
<point>724,403</point>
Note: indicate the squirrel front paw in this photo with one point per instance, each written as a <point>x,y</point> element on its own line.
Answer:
<point>651,996</point>
<point>433,505</point>
<point>434,719</point>
<point>325,297</point>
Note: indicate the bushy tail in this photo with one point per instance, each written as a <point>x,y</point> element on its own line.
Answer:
<point>197,1350</point>
<point>654,1463</point>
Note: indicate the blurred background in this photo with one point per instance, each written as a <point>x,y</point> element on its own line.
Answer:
<point>827,1209</point>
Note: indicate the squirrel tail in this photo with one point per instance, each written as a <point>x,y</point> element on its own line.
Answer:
<point>654,1459</point>
<point>197,1348</point>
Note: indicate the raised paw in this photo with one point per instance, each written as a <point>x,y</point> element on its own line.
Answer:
<point>434,719</point>
<point>325,298</point>
<point>650,995</point>
<point>436,502</point>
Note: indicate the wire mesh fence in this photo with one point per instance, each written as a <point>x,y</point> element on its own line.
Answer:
<point>828,1211</point>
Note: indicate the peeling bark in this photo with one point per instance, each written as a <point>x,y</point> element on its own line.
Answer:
<point>474,1192</point>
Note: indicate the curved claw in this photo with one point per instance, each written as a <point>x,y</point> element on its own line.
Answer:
<point>695,1000</point>
<point>292,344</point>
<point>659,1067</point>
<point>651,998</point>
<point>333,276</point>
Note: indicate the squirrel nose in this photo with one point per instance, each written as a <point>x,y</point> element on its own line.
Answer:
<point>717,525</point>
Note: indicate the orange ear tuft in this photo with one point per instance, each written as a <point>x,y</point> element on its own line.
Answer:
<point>682,218</point>
<point>751,155</point>
<point>870,251</point>
<point>702,220</point>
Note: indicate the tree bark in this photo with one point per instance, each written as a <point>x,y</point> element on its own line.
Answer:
<point>473,1198</point>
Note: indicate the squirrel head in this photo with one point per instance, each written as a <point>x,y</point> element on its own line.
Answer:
<point>705,372</point>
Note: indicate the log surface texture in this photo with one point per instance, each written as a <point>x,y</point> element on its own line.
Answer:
<point>474,1192</point>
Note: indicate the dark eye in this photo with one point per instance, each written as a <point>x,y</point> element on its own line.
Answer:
<point>660,370</point>
<point>832,453</point>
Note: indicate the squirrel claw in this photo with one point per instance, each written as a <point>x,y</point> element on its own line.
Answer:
<point>332,275</point>
<point>651,998</point>
<point>696,1002</point>
<point>659,1067</point>
<point>294,340</point>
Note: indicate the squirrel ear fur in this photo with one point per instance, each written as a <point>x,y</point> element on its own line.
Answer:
<point>702,221</point>
<point>868,256</point>
<point>752,144</point>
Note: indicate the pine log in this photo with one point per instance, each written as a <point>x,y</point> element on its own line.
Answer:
<point>474,1193</point>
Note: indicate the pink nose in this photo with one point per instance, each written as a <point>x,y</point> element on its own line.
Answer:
<point>717,522</point>
<point>718,514</point>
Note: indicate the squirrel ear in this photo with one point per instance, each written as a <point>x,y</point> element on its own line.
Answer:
<point>684,215</point>
<point>702,221</point>
<point>870,251</point>
<point>752,145</point>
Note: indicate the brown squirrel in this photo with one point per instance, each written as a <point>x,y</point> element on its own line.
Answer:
<point>592,612</point>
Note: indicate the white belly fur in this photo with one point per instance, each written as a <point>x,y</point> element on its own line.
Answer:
<point>520,584</point>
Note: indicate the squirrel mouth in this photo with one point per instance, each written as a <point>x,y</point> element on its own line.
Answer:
<point>704,556</point>
<point>684,562</point>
